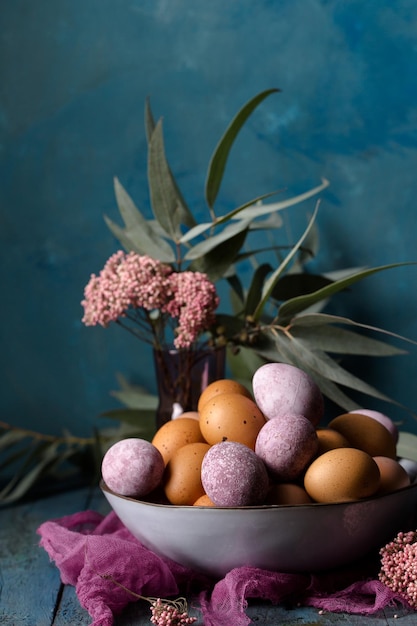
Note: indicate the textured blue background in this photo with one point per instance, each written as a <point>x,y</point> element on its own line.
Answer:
<point>74,77</point>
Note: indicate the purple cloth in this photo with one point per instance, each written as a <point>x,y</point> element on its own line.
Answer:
<point>104,562</point>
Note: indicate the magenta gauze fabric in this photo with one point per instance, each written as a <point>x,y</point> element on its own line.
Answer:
<point>99,556</point>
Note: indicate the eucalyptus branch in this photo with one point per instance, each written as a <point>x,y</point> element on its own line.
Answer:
<point>32,434</point>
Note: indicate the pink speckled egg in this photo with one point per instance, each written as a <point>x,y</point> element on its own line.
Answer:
<point>286,445</point>
<point>280,389</point>
<point>233,475</point>
<point>132,467</point>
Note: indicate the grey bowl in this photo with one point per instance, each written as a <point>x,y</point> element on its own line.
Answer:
<point>286,538</point>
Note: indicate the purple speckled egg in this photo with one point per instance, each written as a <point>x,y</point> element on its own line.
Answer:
<point>233,475</point>
<point>382,419</point>
<point>132,467</point>
<point>280,389</point>
<point>287,445</point>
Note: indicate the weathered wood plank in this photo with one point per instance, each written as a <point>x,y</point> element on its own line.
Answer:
<point>31,584</point>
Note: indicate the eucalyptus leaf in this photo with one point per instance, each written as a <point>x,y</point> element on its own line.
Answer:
<point>135,397</point>
<point>196,231</point>
<point>317,319</point>
<point>342,341</point>
<point>225,235</point>
<point>270,284</point>
<point>256,211</point>
<point>255,289</point>
<point>296,305</point>
<point>168,205</point>
<point>217,261</point>
<point>407,445</point>
<point>149,120</point>
<point>293,285</point>
<point>221,153</point>
<point>38,461</point>
<point>9,438</point>
<point>135,417</point>
<point>328,367</point>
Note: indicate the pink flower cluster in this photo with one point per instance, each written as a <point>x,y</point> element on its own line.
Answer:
<point>133,281</point>
<point>399,566</point>
<point>165,613</point>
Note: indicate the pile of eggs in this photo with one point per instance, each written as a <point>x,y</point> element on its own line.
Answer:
<point>240,449</point>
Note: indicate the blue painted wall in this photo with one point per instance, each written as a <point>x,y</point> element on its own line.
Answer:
<point>74,77</point>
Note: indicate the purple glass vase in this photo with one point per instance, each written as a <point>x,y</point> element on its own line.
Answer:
<point>181,376</point>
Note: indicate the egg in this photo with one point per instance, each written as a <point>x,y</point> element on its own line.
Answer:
<point>383,419</point>
<point>231,417</point>
<point>223,385</point>
<point>365,433</point>
<point>233,475</point>
<point>286,445</point>
<point>132,467</point>
<point>393,475</point>
<point>330,439</point>
<point>287,493</point>
<point>341,475</point>
<point>204,500</point>
<point>410,467</point>
<point>280,388</point>
<point>182,478</point>
<point>177,433</point>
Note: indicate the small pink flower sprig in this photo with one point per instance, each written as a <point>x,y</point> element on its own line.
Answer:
<point>143,294</point>
<point>399,566</point>
<point>170,612</point>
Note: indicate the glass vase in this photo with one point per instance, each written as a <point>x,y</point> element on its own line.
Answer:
<point>181,376</point>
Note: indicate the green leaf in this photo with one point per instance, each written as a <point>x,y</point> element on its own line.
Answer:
<point>140,234</point>
<point>168,205</point>
<point>263,209</point>
<point>407,445</point>
<point>138,418</point>
<point>296,305</point>
<point>9,438</point>
<point>323,364</point>
<point>255,289</point>
<point>293,285</point>
<point>149,120</point>
<point>226,235</point>
<point>199,229</point>
<point>216,262</point>
<point>318,319</point>
<point>270,284</point>
<point>134,396</point>
<point>37,462</point>
<point>218,160</point>
<point>342,341</point>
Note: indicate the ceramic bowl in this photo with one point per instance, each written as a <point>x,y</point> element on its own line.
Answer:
<point>286,538</point>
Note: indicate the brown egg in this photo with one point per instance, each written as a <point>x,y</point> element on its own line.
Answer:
<point>341,475</point>
<point>365,433</point>
<point>330,439</point>
<point>175,434</point>
<point>182,478</point>
<point>287,493</point>
<point>393,475</point>
<point>204,500</point>
<point>223,385</point>
<point>231,417</point>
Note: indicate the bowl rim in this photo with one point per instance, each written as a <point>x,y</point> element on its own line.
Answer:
<point>257,507</point>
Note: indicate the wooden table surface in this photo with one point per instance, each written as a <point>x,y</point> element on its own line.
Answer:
<point>31,593</point>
